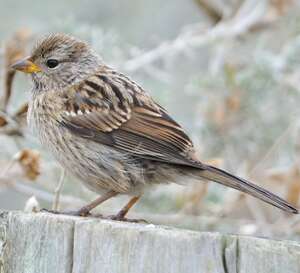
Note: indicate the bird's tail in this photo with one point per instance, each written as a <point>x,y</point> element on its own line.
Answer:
<point>227,179</point>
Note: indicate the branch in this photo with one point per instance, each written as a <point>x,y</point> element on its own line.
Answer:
<point>248,15</point>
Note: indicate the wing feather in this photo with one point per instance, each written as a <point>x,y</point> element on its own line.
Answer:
<point>111,109</point>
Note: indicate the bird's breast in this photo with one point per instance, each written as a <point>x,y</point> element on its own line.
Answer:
<point>42,119</point>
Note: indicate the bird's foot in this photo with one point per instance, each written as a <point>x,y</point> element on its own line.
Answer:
<point>122,218</point>
<point>84,213</point>
<point>81,212</point>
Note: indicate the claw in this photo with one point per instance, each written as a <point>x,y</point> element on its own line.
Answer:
<point>50,211</point>
<point>123,219</point>
<point>82,213</point>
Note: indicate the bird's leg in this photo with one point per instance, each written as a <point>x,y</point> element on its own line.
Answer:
<point>122,213</point>
<point>85,211</point>
<point>120,216</point>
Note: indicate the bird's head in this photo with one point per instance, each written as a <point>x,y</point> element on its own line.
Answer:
<point>58,61</point>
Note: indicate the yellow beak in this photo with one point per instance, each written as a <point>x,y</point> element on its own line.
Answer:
<point>26,65</point>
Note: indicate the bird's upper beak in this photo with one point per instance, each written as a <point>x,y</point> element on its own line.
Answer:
<point>26,65</point>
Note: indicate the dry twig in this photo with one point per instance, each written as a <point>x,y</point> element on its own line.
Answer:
<point>57,191</point>
<point>15,48</point>
<point>210,9</point>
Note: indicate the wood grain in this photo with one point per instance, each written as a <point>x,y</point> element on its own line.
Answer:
<point>44,243</point>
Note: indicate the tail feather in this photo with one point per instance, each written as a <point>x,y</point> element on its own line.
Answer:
<point>227,179</point>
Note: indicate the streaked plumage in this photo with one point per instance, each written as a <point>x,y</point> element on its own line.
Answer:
<point>105,129</point>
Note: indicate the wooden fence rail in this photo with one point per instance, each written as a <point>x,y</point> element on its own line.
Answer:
<point>44,243</point>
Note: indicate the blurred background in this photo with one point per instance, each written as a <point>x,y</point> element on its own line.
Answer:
<point>227,70</point>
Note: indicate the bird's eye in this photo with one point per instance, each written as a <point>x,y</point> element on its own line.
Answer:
<point>51,63</point>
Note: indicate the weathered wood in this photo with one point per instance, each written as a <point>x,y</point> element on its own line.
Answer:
<point>44,243</point>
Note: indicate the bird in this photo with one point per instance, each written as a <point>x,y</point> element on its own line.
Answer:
<point>106,130</point>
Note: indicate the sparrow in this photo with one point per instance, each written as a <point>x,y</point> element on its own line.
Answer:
<point>106,129</point>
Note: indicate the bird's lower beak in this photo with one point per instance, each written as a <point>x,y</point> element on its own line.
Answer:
<point>26,65</point>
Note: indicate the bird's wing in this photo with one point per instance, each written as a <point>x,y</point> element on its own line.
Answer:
<point>111,109</point>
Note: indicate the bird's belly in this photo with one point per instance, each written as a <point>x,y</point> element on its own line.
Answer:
<point>98,166</point>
